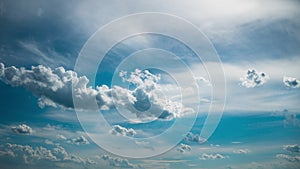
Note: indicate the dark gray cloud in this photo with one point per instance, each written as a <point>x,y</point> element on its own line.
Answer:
<point>254,79</point>
<point>291,82</point>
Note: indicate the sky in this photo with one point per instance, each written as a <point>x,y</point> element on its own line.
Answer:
<point>137,84</point>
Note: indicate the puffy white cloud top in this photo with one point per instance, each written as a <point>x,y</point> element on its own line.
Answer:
<point>254,79</point>
<point>291,82</point>
<point>54,88</point>
<point>79,140</point>
<point>190,137</point>
<point>184,148</point>
<point>117,162</point>
<point>22,129</point>
<point>205,156</point>
<point>122,131</point>
<point>34,154</point>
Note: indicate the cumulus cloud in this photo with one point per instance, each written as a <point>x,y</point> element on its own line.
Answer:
<point>241,151</point>
<point>205,156</point>
<point>254,79</point>
<point>54,88</point>
<point>61,137</point>
<point>32,154</point>
<point>79,140</point>
<point>184,148</point>
<point>291,82</point>
<point>117,162</point>
<point>122,131</point>
<point>292,148</point>
<point>190,137</point>
<point>288,157</point>
<point>22,129</point>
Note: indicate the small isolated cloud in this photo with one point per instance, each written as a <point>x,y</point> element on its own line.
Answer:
<point>205,156</point>
<point>22,129</point>
<point>292,148</point>
<point>61,137</point>
<point>254,79</point>
<point>117,162</point>
<point>288,157</point>
<point>122,131</point>
<point>79,140</point>
<point>190,137</point>
<point>241,151</point>
<point>184,148</point>
<point>291,82</point>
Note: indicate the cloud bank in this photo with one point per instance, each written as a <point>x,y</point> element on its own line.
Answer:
<point>54,88</point>
<point>33,154</point>
<point>118,162</point>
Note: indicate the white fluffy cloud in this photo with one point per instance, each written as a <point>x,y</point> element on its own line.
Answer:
<point>292,148</point>
<point>61,137</point>
<point>254,79</point>
<point>22,129</point>
<point>190,137</point>
<point>291,82</point>
<point>117,162</point>
<point>184,148</point>
<point>79,140</point>
<point>205,156</point>
<point>122,131</point>
<point>54,88</point>
<point>32,154</point>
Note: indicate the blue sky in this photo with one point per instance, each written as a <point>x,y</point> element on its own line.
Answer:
<point>159,111</point>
